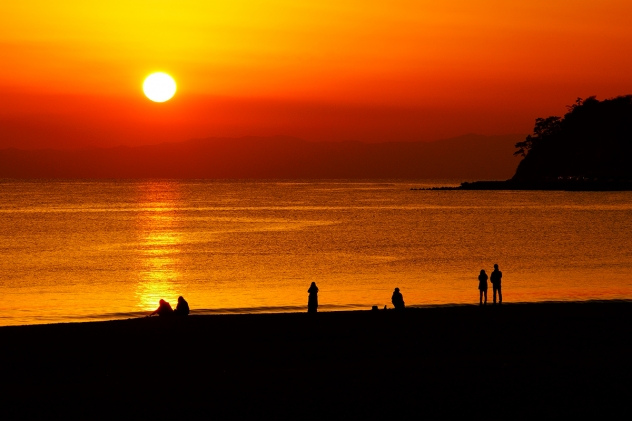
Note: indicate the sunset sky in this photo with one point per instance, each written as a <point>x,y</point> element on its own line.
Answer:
<point>72,70</point>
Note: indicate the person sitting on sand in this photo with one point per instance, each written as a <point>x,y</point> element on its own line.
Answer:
<point>312,301</point>
<point>182,309</point>
<point>482,286</point>
<point>398,300</point>
<point>164,309</point>
<point>496,278</point>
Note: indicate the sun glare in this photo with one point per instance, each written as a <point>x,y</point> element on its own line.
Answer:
<point>159,87</point>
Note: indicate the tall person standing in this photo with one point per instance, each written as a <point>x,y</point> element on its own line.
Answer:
<point>496,278</point>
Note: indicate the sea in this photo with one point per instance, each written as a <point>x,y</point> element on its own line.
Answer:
<point>87,250</point>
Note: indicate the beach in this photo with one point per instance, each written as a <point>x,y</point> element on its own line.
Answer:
<point>512,361</point>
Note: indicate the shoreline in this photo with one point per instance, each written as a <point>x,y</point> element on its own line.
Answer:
<point>547,359</point>
<point>548,185</point>
<point>111,317</point>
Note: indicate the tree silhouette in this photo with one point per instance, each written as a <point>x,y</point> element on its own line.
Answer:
<point>592,141</point>
<point>544,128</point>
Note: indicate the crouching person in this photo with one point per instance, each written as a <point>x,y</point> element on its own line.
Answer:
<point>164,309</point>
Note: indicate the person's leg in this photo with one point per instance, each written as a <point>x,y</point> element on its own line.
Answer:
<point>480,297</point>
<point>500,295</point>
<point>495,289</point>
<point>485,292</point>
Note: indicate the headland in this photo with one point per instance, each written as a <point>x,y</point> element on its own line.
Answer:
<point>547,185</point>
<point>588,149</point>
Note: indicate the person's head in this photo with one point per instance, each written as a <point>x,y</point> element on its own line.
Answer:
<point>496,266</point>
<point>162,302</point>
<point>396,289</point>
<point>313,284</point>
<point>180,299</point>
<point>482,271</point>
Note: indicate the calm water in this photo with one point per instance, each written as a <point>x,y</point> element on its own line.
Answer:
<point>92,250</point>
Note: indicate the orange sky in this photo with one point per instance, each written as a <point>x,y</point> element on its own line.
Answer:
<point>72,70</point>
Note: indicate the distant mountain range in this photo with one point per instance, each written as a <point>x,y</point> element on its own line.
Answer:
<point>466,157</point>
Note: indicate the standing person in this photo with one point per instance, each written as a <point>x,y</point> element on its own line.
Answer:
<point>482,286</point>
<point>312,301</point>
<point>496,278</point>
<point>398,300</point>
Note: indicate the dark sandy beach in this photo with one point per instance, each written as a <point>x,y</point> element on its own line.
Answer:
<point>546,360</point>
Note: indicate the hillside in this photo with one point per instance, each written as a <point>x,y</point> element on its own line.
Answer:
<point>593,141</point>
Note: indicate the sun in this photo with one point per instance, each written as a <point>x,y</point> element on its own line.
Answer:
<point>159,87</point>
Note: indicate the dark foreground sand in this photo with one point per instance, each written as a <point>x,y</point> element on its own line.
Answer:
<point>516,361</point>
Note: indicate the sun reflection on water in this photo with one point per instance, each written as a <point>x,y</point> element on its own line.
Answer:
<point>160,243</point>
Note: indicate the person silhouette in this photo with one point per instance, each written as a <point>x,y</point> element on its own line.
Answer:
<point>398,300</point>
<point>482,286</point>
<point>312,301</point>
<point>182,309</point>
<point>164,309</point>
<point>496,278</point>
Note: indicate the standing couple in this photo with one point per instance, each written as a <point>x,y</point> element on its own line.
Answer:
<point>495,279</point>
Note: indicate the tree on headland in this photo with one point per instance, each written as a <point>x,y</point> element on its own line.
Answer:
<point>544,128</point>
<point>592,141</point>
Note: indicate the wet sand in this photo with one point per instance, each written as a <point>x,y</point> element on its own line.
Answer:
<point>511,361</point>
